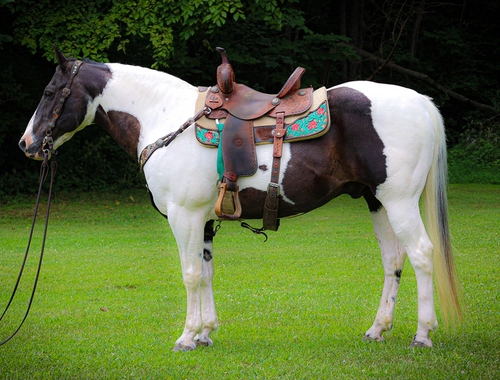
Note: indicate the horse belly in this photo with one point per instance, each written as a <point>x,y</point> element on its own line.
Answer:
<point>307,179</point>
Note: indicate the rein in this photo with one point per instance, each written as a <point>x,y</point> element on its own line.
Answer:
<point>48,149</point>
<point>43,176</point>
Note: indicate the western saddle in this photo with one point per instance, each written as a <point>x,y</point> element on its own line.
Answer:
<point>241,106</point>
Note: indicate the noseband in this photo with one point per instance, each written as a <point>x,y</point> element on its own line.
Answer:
<point>48,140</point>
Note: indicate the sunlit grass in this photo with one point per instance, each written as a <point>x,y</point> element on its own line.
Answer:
<point>111,303</point>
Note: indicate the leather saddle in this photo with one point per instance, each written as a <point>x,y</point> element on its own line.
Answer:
<point>242,109</point>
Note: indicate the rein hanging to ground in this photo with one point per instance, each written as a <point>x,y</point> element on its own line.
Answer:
<point>43,175</point>
<point>48,150</point>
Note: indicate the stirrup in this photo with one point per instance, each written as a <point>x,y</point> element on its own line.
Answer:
<point>228,204</point>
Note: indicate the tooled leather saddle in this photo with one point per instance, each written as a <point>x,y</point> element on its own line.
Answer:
<point>252,117</point>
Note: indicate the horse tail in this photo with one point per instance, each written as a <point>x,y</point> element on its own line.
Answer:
<point>435,206</point>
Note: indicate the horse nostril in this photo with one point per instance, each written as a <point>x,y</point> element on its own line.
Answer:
<point>22,145</point>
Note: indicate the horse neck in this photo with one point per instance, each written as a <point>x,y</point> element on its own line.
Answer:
<point>142,105</point>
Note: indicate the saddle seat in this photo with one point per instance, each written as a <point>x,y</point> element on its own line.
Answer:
<point>246,103</point>
<point>239,106</point>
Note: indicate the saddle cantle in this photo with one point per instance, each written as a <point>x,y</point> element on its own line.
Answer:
<point>252,117</point>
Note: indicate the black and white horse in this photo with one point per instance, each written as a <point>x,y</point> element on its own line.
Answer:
<point>385,144</point>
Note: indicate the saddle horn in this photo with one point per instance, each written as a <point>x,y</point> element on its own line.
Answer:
<point>225,74</point>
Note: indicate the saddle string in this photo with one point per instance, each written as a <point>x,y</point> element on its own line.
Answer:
<point>257,231</point>
<point>43,175</point>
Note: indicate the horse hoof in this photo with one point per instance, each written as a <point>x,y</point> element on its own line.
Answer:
<point>416,343</point>
<point>368,338</point>
<point>207,342</point>
<point>183,348</point>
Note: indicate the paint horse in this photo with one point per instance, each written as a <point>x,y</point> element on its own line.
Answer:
<point>385,144</point>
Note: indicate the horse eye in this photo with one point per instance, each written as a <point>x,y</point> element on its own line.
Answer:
<point>48,94</point>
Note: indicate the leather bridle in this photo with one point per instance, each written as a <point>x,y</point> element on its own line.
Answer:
<point>48,140</point>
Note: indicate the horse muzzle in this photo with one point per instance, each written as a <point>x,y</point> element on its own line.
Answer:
<point>30,148</point>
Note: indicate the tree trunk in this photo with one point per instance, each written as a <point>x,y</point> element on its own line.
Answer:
<point>416,29</point>
<point>343,32</point>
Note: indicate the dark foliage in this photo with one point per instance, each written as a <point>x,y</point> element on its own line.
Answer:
<point>456,43</point>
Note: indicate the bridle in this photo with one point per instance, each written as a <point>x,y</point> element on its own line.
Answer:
<point>48,149</point>
<point>48,140</point>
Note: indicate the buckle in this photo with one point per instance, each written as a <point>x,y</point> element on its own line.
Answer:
<point>276,187</point>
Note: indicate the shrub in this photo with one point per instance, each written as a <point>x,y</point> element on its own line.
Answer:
<point>476,157</point>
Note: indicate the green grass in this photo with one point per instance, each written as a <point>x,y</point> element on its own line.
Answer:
<point>111,303</point>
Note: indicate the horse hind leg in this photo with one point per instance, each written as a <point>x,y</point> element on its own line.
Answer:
<point>404,217</point>
<point>393,258</point>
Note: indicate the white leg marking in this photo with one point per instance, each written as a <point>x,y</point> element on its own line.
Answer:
<point>393,258</point>
<point>188,227</point>
<point>409,228</point>
<point>208,314</point>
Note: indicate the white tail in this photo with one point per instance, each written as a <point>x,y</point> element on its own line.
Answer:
<point>435,206</point>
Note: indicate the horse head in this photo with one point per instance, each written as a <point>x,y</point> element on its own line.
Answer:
<point>62,110</point>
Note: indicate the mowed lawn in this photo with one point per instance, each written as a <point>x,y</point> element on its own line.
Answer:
<point>111,303</point>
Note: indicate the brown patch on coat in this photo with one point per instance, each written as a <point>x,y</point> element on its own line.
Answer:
<point>122,127</point>
<point>348,159</point>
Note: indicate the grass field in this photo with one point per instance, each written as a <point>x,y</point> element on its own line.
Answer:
<point>111,303</point>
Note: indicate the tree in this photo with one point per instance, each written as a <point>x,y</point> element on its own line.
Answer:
<point>178,35</point>
<point>456,43</point>
<point>92,28</point>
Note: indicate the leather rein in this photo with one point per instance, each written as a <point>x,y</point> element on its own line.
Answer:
<point>48,149</point>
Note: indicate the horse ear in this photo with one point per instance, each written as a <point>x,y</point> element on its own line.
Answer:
<point>61,59</point>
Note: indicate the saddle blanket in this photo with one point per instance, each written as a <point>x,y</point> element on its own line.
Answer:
<point>310,124</point>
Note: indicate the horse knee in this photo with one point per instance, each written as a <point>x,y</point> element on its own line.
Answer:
<point>192,278</point>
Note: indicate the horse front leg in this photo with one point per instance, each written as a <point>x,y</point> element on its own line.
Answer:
<point>197,274</point>
<point>393,258</point>
<point>208,314</point>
